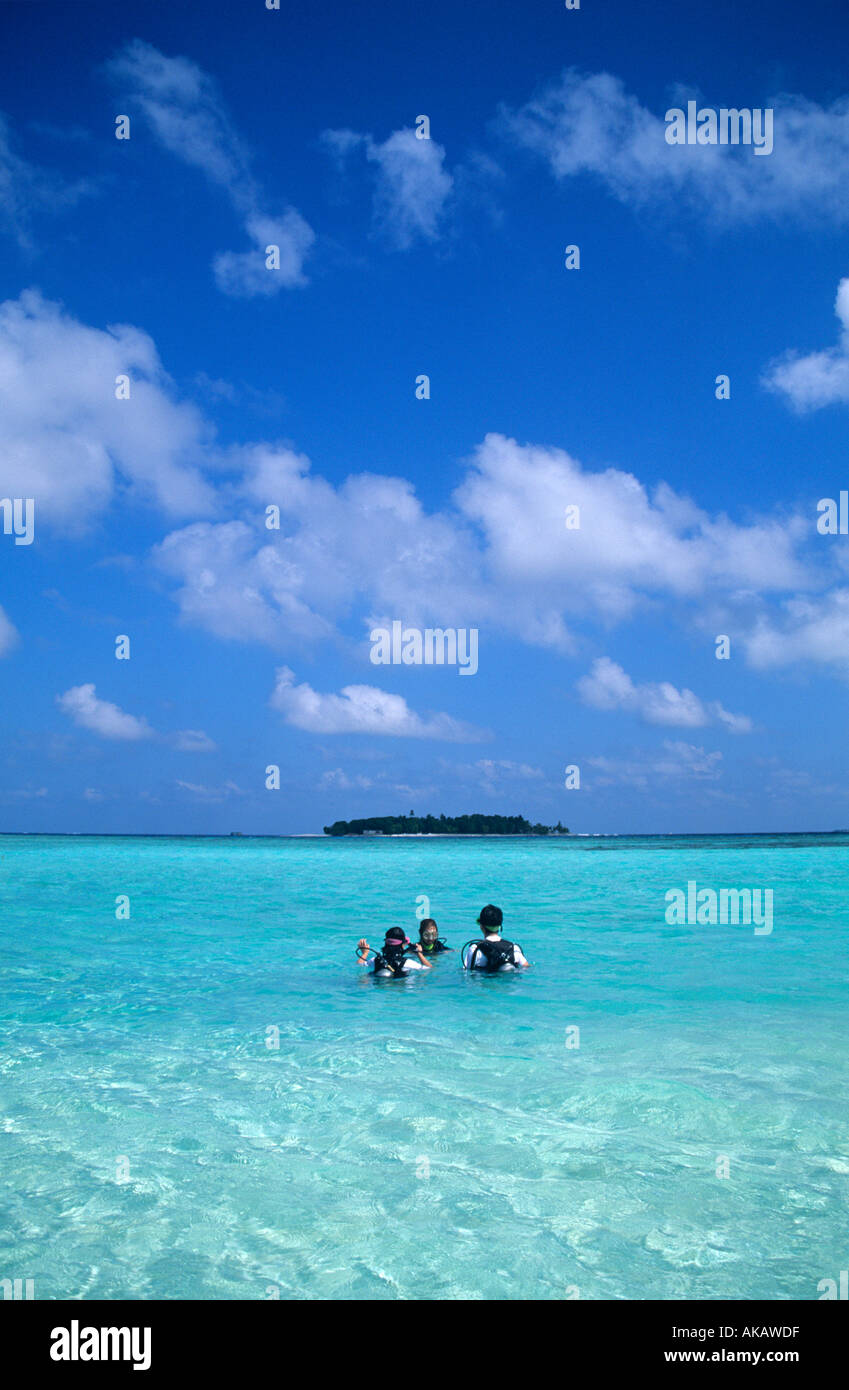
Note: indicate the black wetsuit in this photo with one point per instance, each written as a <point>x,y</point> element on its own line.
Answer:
<point>432,948</point>
<point>391,956</point>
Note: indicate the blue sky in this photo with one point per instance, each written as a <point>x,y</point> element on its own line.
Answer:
<point>295,387</point>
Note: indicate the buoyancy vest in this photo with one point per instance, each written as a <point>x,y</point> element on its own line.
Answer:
<point>495,953</point>
<point>391,956</point>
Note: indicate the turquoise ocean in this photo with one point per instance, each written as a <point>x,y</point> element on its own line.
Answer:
<point>210,1100</point>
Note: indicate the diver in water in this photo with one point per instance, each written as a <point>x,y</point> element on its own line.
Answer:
<point>429,938</point>
<point>392,959</point>
<point>495,952</point>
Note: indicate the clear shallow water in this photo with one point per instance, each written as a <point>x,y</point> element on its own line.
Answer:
<point>299,1170</point>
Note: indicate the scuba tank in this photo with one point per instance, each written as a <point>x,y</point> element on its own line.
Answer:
<point>495,953</point>
<point>391,956</point>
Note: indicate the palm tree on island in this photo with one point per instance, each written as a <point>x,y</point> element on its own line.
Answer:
<point>476,824</point>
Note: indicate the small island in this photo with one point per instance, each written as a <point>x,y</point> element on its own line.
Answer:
<point>442,825</point>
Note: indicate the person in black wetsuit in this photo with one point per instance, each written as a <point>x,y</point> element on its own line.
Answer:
<point>393,958</point>
<point>495,952</point>
<point>429,938</point>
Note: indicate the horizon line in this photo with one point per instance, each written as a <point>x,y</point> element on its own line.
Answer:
<point>442,835</point>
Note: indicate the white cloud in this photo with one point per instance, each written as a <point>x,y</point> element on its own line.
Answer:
<point>629,543</point>
<point>101,716</point>
<point>503,767</point>
<point>679,761</point>
<point>193,741</point>
<point>8,634</point>
<point>809,631</point>
<point>412,185</point>
<point>500,557</point>
<point>245,273</point>
<point>817,378</point>
<point>185,111</point>
<point>787,783</point>
<point>26,189</point>
<point>608,687</point>
<point>337,778</point>
<point>369,542</point>
<point>205,793</point>
<point>362,709</point>
<point>494,774</point>
<point>240,588</point>
<point>590,123</point>
<point>66,441</point>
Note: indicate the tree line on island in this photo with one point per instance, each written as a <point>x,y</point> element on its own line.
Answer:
<point>442,825</point>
